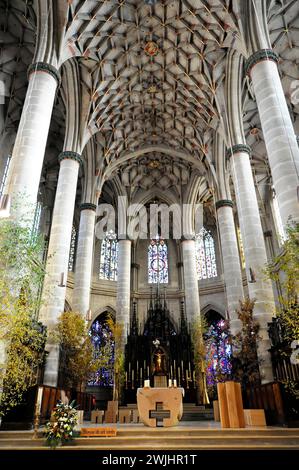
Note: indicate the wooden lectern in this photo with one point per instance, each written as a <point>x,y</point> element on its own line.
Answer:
<point>230,405</point>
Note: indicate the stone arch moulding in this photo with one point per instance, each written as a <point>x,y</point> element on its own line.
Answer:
<point>101,310</point>
<point>219,309</point>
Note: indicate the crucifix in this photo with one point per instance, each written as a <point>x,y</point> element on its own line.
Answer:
<point>159,414</point>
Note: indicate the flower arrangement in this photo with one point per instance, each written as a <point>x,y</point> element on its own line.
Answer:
<point>61,430</point>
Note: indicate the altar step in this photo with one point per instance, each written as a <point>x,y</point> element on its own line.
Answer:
<point>182,437</point>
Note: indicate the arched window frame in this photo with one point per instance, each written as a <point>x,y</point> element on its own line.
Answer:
<point>206,262</point>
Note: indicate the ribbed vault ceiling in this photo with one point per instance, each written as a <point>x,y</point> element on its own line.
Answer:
<point>150,73</point>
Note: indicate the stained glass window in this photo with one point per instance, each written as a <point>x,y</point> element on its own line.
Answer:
<point>109,254</point>
<point>219,353</point>
<point>205,255</point>
<point>157,261</point>
<point>103,344</point>
<point>5,173</point>
<point>72,249</point>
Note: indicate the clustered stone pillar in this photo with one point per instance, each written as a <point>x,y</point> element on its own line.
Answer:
<point>231,260</point>
<point>123,286</point>
<point>84,258</point>
<point>259,287</point>
<point>278,131</point>
<point>54,289</point>
<point>29,148</point>
<point>190,280</point>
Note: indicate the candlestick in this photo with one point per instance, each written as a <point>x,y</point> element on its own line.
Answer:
<point>147,383</point>
<point>169,383</point>
<point>174,383</point>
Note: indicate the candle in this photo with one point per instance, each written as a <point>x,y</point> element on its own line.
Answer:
<point>189,368</point>
<point>174,383</point>
<point>169,383</point>
<point>148,374</point>
<point>171,371</point>
<point>179,375</point>
<point>133,378</point>
<point>147,383</point>
<point>39,398</point>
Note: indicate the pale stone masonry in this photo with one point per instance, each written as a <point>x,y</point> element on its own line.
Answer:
<point>124,285</point>
<point>84,259</point>
<point>190,279</point>
<point>259,287</point>
<point>29,148</point>
<point>58,256</point>
<point>231,260</point>
<point>279,135</point>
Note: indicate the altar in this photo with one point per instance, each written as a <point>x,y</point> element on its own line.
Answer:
<point>160,407</point>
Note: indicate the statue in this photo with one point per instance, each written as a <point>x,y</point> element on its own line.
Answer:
<point>158,358</point>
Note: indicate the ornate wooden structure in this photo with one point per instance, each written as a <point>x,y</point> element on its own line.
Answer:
<point>160,352</point>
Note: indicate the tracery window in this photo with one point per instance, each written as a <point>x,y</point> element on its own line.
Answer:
<point>103,343</point>
<point>219,352</point>
<point>5,174</point>
<point>72,249</point>
<point>109,255</point>
<point>157,261</point>
<point>205,255</point>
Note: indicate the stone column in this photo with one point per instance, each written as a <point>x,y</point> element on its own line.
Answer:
<point>231,260</point>
<point>84,259</point>
<point>123,285</point>
<point>30,144</point>
<point>259,287</point>
<point>190,280</point>
<point>54,289</point>
<point>278,131</point>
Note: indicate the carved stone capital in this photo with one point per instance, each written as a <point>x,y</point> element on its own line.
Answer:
<point>67,155</point>
<point>43,67</point>
<point>88,206</point>
<point>238,149</point>
<point>224,203</point>
<point>259,56</point>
